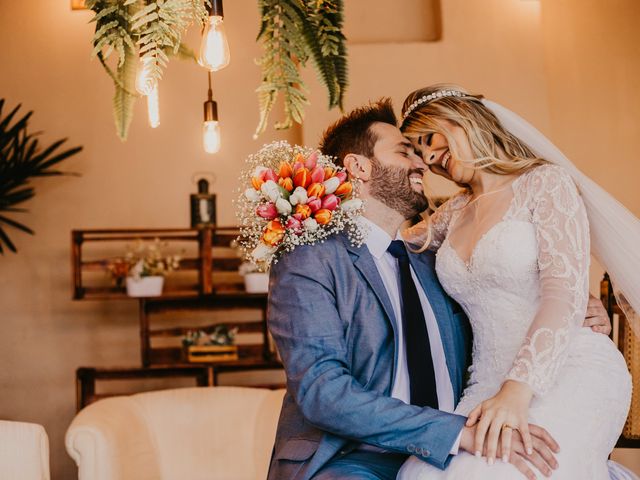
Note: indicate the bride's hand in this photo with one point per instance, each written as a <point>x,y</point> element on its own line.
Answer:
<point>498,416</point>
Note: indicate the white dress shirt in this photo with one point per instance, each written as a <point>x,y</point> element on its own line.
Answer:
<point>377,242</point>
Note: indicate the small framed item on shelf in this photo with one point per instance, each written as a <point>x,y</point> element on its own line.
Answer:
<point>203,206</point>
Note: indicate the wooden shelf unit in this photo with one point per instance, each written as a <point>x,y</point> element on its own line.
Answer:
<point>209,292</point>
<point>205,264</point>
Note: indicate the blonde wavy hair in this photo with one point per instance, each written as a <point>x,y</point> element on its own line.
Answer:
<point>494,149</point>
<point>488,138</point>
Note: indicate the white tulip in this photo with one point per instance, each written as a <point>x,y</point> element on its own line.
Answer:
<point>271,190</point>
<point>283,206</point>
<point>310,224</point>
<point>299,196</point>
<point>252,194</point>
<point>331,185</point>
<point>262,252</point>
<point>351,205</point>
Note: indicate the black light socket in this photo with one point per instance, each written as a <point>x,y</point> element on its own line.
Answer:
<point>215,9</point>
<point>210,111</point>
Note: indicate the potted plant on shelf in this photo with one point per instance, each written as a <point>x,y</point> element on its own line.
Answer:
<point>256,279</point>
<point>217,346</point>
<point>144,268</point>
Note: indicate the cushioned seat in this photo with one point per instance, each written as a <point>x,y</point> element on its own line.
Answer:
<point>24,451</point>
<point>187,433</point>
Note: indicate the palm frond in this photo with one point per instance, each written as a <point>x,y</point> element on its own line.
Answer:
<point>22,159</point>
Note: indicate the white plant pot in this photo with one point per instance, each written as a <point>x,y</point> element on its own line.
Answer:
<point>256,282</point>
<point>145,286</point>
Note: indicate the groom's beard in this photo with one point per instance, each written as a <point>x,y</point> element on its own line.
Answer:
<point>392,187</point>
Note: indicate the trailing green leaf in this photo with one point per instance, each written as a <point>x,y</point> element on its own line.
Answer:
<point>291,31</point>
<point>123,99</point>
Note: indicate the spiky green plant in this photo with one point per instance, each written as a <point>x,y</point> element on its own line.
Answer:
<point>134,30</point>
<point>22,159</point>
<point>291,32</point>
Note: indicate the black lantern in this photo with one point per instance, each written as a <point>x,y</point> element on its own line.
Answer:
<point>203,206</point>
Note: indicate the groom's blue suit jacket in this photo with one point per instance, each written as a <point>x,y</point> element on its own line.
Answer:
<point>335,329</point>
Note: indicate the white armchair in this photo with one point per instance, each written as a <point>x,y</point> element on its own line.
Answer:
<point>195,433</point>
<point>24,451</point>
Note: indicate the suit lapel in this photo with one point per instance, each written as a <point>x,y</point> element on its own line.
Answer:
<point>364,263</point>
<point>424,266</point>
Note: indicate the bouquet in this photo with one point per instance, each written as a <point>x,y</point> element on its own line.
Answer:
<point>291,196</point>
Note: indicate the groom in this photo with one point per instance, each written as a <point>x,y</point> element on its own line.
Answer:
<point>374,350</point>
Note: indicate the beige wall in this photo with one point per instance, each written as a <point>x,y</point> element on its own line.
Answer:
<point>545,59</point>
<point>145,182</point>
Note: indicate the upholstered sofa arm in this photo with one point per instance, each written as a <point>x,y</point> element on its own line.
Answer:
<point>24,451</point>
<point>110,440</point>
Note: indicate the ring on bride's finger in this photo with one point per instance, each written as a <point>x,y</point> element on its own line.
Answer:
<point>505,426</point>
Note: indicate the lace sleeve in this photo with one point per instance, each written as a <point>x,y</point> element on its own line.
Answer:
<point>562,233</point>
<point>435,228</point>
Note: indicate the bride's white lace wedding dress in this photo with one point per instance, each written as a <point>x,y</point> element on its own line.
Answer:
<point>524,288</point>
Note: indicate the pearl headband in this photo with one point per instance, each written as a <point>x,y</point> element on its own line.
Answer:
<point>430,97</point>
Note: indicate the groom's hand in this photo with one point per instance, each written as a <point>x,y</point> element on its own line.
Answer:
<point>542,457</point>
<point>597,317</point>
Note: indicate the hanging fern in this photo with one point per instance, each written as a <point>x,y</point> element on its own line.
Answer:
<point>284,49</point>
<point>137,29</point>
<point>159,27</point>
<point>291,31</point>
<point>124,99</point>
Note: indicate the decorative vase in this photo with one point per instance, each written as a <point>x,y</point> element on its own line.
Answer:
<point>145,286</point>
<point>256,282</point>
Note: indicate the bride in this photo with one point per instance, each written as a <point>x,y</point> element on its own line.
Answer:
<point>514,250</point>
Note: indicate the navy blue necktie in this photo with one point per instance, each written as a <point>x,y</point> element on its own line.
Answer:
<point>422,377</point>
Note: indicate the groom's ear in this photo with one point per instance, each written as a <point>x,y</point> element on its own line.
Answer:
<point>358,166</point>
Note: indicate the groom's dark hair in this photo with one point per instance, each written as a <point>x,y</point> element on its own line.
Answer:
<point>352,132</point>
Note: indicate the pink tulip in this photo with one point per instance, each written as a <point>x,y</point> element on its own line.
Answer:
<point>267,211</point>
<point>297,166</point>
<point>260,172</point>
<point>330,202</point>
<point>311,161</point>
<point>298,217</point>
<point>271,175</point>
<point>294,224</point>
<point>342,176</point>
<point>314,204</point>
<point>317,175</point>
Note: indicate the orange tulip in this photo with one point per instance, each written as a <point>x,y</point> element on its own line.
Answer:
<point>316,190</point>
<point>302,178</point>
<point>304,211</point>
<point>328,173</point>
<point>323,216</point>
<point>274,233</point>
<point>298,161</point>
<point>256,182</point>
<point>286,183</point>
<point>344,189</point>
<point>286,170</point>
